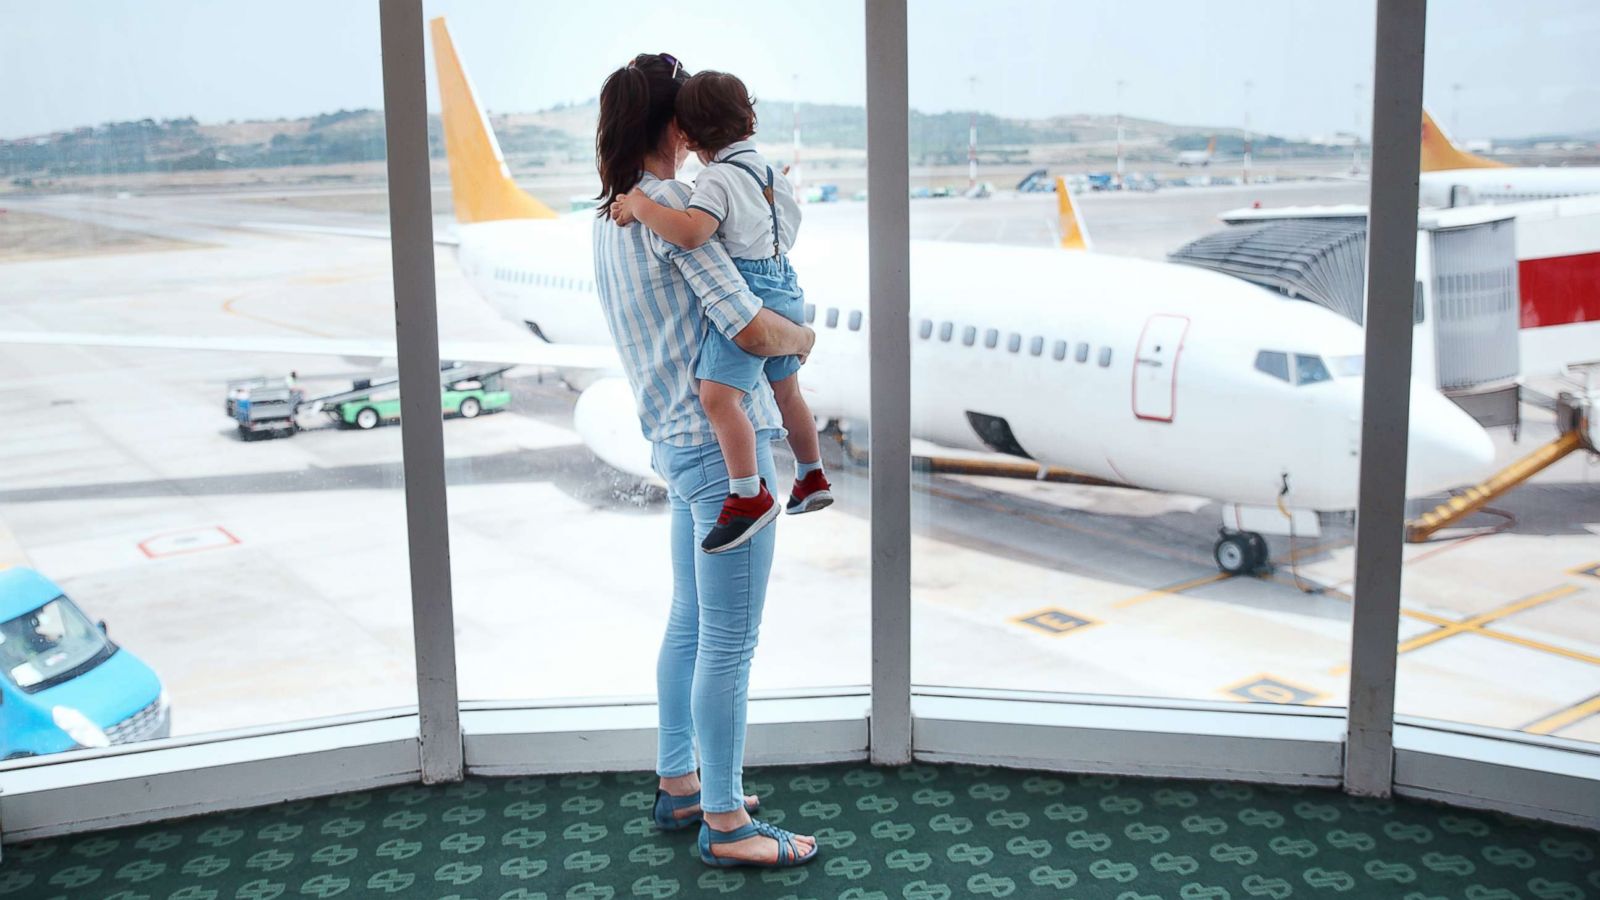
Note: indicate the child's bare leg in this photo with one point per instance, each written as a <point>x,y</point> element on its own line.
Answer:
<point>797,420</point>
<point>735,435</point>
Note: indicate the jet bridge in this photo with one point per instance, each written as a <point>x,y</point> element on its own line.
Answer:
<point>1466,308</point>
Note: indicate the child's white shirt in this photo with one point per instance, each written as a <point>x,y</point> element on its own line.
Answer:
<point>728,194</point>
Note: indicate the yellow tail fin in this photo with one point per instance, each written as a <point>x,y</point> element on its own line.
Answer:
<point>1439,153</point>
<point>1073,235</point>
<point>1211,147</point>
<point>479,179</point>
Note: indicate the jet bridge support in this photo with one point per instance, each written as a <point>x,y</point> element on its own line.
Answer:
<point>1575,417</point>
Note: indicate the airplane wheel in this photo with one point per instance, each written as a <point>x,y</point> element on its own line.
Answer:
<point>1258,547</point>
<point>1234,554</point>
<point>470,408</point>
<point>367,419</point>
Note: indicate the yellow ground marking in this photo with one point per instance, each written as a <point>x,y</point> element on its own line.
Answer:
<point>1562,718</point>
<point>228,307</point>
<point>1451,627</point>
<point>1591,570</point>
<point>1171,590</point>
<point>1080,622</point>
<point>1265,688</point>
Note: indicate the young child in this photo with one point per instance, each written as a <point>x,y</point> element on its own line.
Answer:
<point>739,200</point>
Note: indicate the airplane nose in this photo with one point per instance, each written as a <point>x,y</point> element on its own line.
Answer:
<point>1447,447</point>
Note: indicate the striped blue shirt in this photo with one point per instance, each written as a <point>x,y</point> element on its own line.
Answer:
<point>657,298</point>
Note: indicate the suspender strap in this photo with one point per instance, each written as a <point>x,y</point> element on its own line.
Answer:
<point>766,191</point>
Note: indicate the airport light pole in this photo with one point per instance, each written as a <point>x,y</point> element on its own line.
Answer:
<point>794,162</point>
<point>972,137</point>
<point>1120,83</point>
<point>1248,84</point>
<point>1355,147</point>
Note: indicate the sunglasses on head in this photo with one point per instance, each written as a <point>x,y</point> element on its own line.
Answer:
<point>677,65</point>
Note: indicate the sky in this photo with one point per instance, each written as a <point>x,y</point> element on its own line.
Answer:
<point>1524,66</point>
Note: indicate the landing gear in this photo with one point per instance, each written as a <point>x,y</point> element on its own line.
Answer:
<point>1240,552</point>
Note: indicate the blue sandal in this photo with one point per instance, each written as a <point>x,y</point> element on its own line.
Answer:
<point>788,850</point>
<point>667,805</point>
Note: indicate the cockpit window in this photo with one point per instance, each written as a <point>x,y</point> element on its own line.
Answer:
<point>1310,369</point>
<point>1349,366</point>
<point>1273,363</point>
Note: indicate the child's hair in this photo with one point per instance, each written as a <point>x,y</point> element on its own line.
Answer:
<point>714,110</point>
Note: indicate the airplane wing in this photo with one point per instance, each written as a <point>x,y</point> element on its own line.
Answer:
<point>381,234</point>
<point>527,352</point>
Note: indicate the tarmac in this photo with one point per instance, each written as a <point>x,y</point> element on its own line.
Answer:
<point>267,582</point>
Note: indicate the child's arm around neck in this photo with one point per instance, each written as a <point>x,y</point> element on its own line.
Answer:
<point>688,228</point>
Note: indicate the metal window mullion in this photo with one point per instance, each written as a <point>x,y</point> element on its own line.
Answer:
<point>1386,395</point>
<point>889,403</point>
<point>405,102</point>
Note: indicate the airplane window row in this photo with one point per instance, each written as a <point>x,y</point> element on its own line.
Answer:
<point>517,276</point>
<point>969,337</point>
<point>1308,368</point>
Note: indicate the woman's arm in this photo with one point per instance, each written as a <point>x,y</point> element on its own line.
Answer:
<point>688,228</point>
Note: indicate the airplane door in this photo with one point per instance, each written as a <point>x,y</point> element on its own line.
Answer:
<point>1155,367</point>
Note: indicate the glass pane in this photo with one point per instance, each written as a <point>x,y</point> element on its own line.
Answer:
<point>1069,502</point>
<point>201,521</point>
<point>1500,618</point>
<point>561,527</point>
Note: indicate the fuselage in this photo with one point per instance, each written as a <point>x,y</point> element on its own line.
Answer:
<point>1465,187</point>
<point>1157,375</point>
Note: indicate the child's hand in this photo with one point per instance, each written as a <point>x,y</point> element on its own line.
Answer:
<point>623,208</point>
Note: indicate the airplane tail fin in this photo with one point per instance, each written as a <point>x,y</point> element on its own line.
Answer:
<point>479,178</point>
<point>1440,153</point>
<point>1073,235</point>
<point>1211,147</point>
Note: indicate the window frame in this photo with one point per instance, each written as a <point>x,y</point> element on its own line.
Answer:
<point>1364,749</point>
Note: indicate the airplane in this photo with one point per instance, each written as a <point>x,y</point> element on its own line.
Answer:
<point>1453,177</point>
<point>1199,157</point>
<point>1145,374</point>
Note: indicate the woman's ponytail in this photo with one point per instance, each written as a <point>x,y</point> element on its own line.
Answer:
<point>636,104</point>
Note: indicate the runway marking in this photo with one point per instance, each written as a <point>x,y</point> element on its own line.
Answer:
<point>1055,621</point>
<point>188,540</point>
<point>227,307</point>
<point>1271,689</point>
<point>1452,627</point>
<point>1477,622</point>
<point>1592,570</point>
<point>1562,718</point>
<point>1171,590</point>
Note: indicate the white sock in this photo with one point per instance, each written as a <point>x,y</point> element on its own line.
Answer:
<point>802,469</point>
<point>745,487</point>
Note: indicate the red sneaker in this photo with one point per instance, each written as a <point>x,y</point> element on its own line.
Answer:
<point>741,518</point>
<point>810,494</point>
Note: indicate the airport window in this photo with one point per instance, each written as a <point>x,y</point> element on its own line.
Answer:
<point>855,320</point>
<point>991,338</point>
<point>1036,346</point>
<point>1083,353</point>
<point>925,329</point>
<point>969,335</point>
<point>811,313</point>
<point>1309,369</point>
<point>945,330</point>
<point>1060,351</point>
<point>1014,343</point>
<point>833,317</point>
<point>1105,357</point>
<point>1273,363</point>
<point>1419,311</point>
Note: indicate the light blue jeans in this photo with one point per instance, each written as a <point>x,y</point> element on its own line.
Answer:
<point>703,671</point>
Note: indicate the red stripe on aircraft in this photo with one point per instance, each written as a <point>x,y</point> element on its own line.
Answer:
<point>1560,290</point>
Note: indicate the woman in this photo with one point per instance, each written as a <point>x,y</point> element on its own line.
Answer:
<point>658,300</point>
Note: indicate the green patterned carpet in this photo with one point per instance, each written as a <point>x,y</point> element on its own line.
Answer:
<point>918,833</point>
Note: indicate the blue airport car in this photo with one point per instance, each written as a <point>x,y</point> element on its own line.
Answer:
<point>64,685</point>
